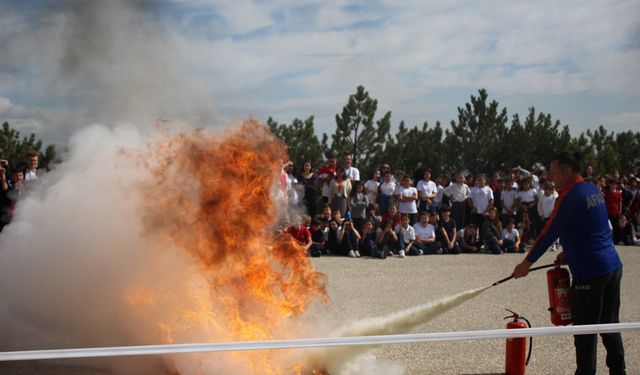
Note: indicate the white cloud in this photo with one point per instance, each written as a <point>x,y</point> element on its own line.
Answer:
<point>306,59</point>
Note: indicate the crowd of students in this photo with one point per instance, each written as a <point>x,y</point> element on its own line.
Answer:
<point>15,181</point>
<point>390,215</point>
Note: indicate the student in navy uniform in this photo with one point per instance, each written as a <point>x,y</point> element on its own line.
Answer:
<point>580,219</point>
<point>447,232</point>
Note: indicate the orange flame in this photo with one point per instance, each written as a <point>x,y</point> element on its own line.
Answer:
<point>211,198</point>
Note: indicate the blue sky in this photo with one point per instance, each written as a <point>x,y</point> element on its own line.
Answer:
<point>212,62</point>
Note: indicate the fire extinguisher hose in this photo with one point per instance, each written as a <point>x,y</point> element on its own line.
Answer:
<point>530,341</point>
<point>530,270</point>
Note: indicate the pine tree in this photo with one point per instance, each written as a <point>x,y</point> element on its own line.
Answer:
<point>358,133</point>
<point>474,140</point>
<point>15,149</point>
<point>416,149</point>
<point>300,139</point>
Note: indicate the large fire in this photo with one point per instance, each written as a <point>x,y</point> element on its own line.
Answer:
<point>212,198</point>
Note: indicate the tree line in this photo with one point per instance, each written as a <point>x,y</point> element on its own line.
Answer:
<point>14,148</point>
<point>482,139</point>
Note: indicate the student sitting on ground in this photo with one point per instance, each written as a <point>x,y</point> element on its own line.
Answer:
<point>368,241</point>
<point>492,234</point>
<point>406,238</point>
<point>624,234</point>
<point>332,245</point>
<point>348,237</point>
<point>317,239</point>
<point>511,233</point>
<point>469,239</point>
<point>300,233</point>
<point>426,235</point>
<point>448,234</point>
<point>387,238</point>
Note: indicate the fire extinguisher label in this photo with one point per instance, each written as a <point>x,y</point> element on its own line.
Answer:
<point>562,296</point>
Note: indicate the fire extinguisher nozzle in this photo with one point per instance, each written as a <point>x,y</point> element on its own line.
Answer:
<point>501,281</point>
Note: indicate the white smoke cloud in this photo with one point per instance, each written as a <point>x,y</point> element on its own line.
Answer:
<point>78,250</point>
<point>96,62</point>
<point>73,245</point>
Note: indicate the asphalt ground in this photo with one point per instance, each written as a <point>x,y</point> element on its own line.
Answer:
<point>369,287</point>
<point>363,288</point>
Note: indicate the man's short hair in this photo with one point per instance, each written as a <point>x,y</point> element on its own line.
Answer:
<point>572,160</point>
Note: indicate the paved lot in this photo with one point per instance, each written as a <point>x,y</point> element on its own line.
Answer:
<point>362,288</point>
<point>365,287</point>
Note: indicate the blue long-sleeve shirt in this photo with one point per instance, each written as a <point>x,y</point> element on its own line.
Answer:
<point>580,219</point>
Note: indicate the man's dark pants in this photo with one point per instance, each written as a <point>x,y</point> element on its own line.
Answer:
<point>597,301</point>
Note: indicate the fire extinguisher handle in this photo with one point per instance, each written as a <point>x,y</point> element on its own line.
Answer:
<point>513,315</point>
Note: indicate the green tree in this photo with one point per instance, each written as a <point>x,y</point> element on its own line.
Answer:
<point>300,139</point>
<point>582,145</point>
<point>415,149</point>
<point>535,141</point>
<point>358,133</point>
<point>15,149</point>
<point>475,141</point>
<point>628,146</point>
<point>605,149</point>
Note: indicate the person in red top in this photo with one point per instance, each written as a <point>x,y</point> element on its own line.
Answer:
<point>326,173</point>
<point>495,182</point>
<point>613,201</point>
<point>392,215</point>
<point>300,233</point>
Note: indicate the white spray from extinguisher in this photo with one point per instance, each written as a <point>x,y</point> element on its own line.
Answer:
<point>336,360</point>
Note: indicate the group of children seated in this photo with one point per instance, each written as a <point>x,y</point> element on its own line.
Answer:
<point>393,235</point>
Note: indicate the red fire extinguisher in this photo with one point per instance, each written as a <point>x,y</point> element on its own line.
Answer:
<point>559,285</point>
<point>516,357</point>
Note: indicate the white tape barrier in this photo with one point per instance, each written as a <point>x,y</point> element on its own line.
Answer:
<point>315,343</point>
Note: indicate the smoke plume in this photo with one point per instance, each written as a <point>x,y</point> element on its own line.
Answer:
<point>165,238</point>
<point>101,62</point>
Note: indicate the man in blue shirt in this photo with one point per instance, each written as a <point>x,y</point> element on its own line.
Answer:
<point>580,219</point>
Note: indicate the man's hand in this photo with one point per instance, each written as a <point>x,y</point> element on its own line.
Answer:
<point>521,269</point>
<point>560,259</point>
